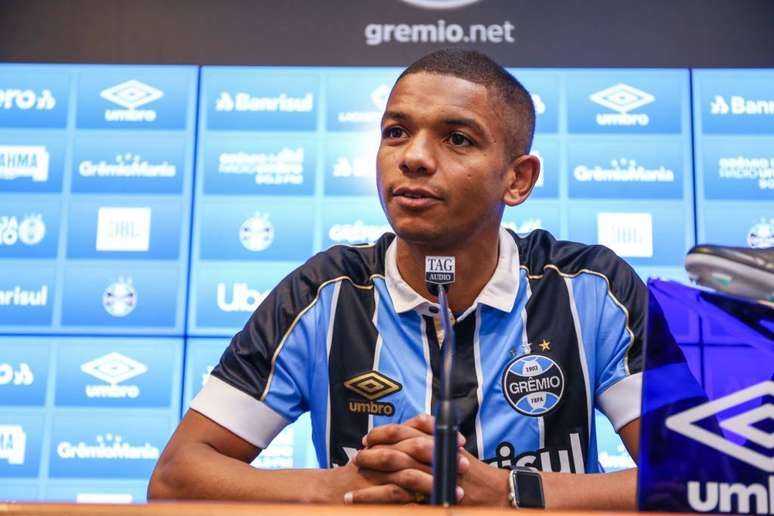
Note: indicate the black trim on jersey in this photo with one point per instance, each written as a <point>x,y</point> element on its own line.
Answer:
<point>248,362</point>
<point>464,380</point>
<point>352,354</point>
<point>540,249</point>
<point>549,317</point>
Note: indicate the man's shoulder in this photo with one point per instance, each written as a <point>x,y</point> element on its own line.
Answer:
<point>539,250</point>
<point>358,264</point>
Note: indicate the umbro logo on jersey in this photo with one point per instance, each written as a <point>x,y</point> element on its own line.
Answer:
<point>372,386</point>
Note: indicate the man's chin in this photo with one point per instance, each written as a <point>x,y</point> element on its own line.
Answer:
<point>431,237</point>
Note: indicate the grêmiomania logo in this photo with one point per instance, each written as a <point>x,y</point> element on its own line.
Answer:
<point>373,386</point>
<point>718,496</point>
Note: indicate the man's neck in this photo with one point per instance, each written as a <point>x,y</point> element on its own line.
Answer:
<point>475,264</point>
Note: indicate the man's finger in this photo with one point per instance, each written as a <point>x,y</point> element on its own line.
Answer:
<point>388,493</point>
<point>423,422</point>
<point>391,434</point>
<point>396,457</point>
<point>412,480</point>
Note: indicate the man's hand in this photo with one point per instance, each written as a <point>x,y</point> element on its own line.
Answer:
<point>400,457</point>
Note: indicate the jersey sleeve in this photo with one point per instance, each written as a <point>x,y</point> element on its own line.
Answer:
<point>261,383</point>
<point>620,338</point>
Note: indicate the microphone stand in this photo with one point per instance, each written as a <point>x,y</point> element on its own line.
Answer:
<point>446,426</point>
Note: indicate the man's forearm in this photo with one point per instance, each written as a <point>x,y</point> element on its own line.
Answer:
<point>616,490</point>
<point>200,472</point>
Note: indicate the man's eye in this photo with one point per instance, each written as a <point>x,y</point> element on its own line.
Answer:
<point>458,140</point>
<point>393,132</point>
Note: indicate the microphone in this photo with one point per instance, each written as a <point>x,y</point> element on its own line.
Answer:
<point>439,275</point>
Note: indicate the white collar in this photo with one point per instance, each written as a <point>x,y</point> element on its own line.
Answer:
<point>499,292</point>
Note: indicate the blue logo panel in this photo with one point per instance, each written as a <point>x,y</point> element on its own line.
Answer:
<point>31,162</point>
<point>107,445</point>
<point>24,366</point>
<point>738,169</point>
<point>29,228</point>
<point>752,225</point>
<point>19,491</point>
<point>265,165</point>
<point>202,355</point>
<point>356,100</point>
<point>627,101</point>
<point>647,169</point>
<point>135,229</point>
<point>642,234</point>
<point>543,86</point>
<point>735,101</point>
<point>534,215</point>
<point>258,229</point>
<point>121,295</point>
<point>118,373</point>
<point>547,149</point>
<point>34,96</point>
<point>226,295</point>
<point>97,491</point>
<point>260,99</point>
<point>27,294</point>
<point>130,163</point>
<point>21,441</point>
<point>353,221</point>
<point>135,97</point>
<point>350,164</point>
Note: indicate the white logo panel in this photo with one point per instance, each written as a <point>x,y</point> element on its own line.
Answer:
<point>630,235</point>
<point>114,368</point>
<point>131,94</point>
<point>24,161</point>
<point>13,443</point>
<point>123,229</point>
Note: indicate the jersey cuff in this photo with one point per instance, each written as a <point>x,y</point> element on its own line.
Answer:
<point>621,402</point>
<point>252,420</point>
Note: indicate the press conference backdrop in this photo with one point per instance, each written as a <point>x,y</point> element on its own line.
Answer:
<point>145,211</point>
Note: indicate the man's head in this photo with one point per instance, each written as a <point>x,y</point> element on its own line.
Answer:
<point>455,136</point>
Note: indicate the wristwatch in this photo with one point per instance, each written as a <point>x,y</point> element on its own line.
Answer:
<point>526,488</point>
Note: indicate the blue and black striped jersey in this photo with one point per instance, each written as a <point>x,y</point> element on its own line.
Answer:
<point>555,333</point>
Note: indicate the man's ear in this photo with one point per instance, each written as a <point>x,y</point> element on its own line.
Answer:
<point>523,173</point>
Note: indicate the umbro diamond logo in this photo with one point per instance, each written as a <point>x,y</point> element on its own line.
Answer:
<point>131,94</point>
<point>114,368</point>
<point>622,98</point>
<point>742,424</point>
<point>372,385</point>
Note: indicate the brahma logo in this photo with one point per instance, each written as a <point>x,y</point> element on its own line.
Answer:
<point>718,496</point>
<point>131,95</point>
<point>629,235</point>
<point>21,376</point>
<point>533,385</point>
<point>622,98</point>
<point>24,161</point>
<point>13,443</point>
<point>113,369</point>
<point>120,297</point>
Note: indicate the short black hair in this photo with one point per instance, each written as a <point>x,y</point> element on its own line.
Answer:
<point>479,68</point>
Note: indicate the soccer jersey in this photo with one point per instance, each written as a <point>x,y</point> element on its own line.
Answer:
<point>555,333</point>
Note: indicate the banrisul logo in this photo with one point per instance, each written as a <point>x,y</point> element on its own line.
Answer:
<point>533,385</point>
<point>20,161</point>
<point>131,95</point>
<point>739,105</point>
<point>244,102</point>
<point>756,451</point>
<point>113,369</point>
<point>623,99</point>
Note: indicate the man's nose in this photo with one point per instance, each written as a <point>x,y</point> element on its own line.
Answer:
<point>419,155</point>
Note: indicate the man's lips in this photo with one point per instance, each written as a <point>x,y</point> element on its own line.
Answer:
<point>414,198</point>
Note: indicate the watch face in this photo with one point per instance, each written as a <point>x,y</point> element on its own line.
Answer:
<point>530,487</point>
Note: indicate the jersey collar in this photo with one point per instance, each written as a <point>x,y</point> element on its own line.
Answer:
<point>499,292</point>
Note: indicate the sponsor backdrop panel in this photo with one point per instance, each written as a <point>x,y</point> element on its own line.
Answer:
<point>25,363</point>
<point>544,86</point>
<point>34,96</point>
<point>31,161</point>
<point>29,226</point>
<point>19,491</point>
<point>751,226</point>
<point>21,442</point>
<point>353,221</point>
<point>96,491</point>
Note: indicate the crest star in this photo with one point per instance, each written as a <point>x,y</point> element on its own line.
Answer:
<point>545,345</point>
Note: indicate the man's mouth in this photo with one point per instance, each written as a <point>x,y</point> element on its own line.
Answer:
<point>415,198</point>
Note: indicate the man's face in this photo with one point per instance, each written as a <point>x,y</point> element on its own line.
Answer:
<point>441,166</point>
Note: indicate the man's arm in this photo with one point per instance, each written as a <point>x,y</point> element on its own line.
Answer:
<point>394,451</point>
<point>204,460</point>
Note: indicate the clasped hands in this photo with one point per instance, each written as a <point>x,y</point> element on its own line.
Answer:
<point>395,466</point>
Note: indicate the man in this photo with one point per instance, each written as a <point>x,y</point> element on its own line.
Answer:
<point>546,330</point>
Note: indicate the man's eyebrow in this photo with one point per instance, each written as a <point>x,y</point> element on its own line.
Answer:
<point>395,115</point>
<point>466,122</point>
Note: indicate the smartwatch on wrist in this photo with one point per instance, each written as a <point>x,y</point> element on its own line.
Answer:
<point>526,488</point>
